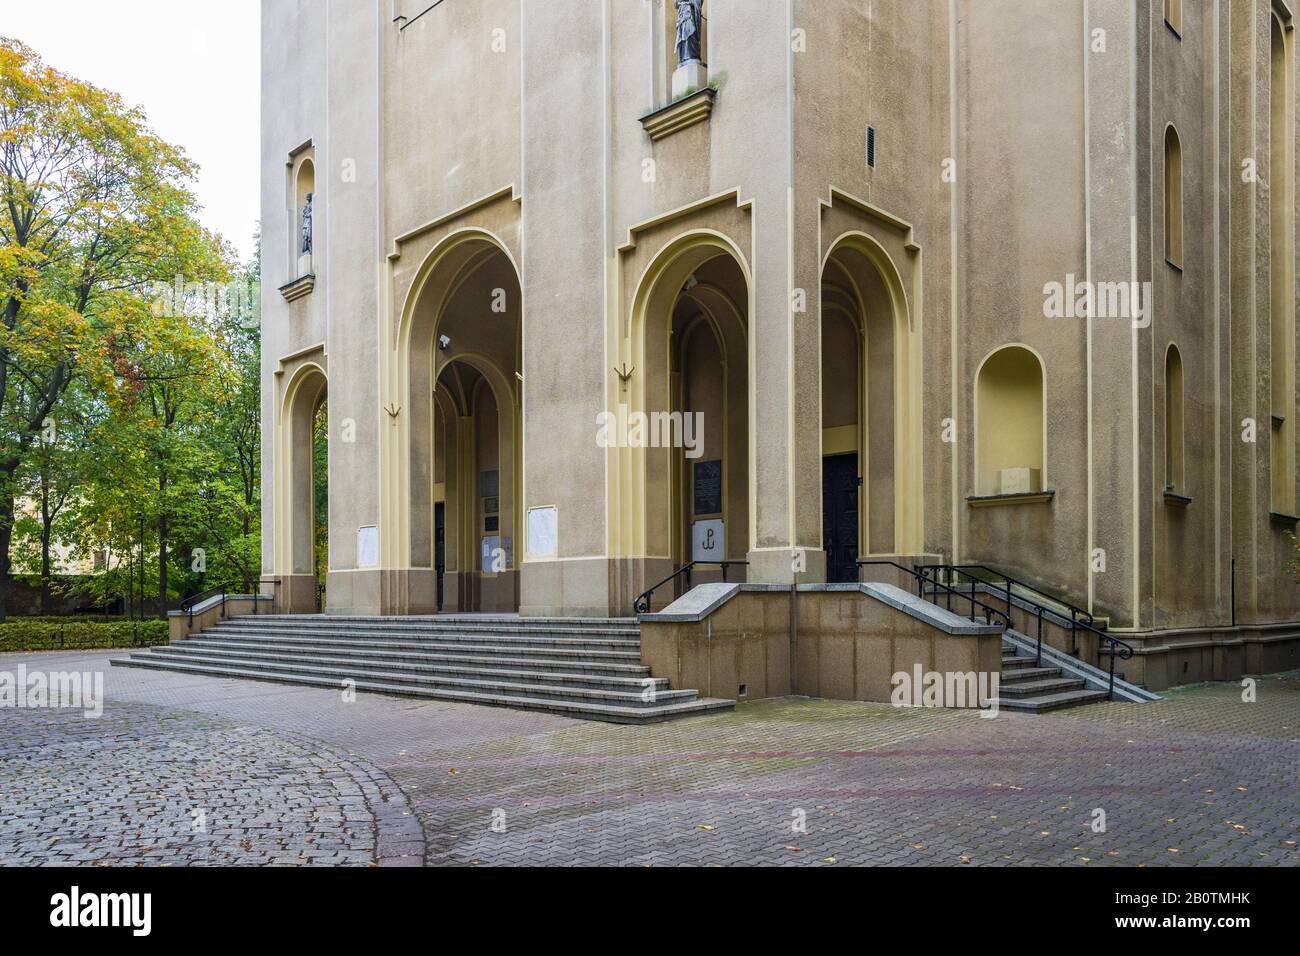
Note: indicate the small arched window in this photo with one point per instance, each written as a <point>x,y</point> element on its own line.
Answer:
<point>1009,440</point>
<point>1174,475</point>
<point>1174,16</point>
<point>1173,198</point>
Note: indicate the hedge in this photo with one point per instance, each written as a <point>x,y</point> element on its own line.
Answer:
<point>72,635</point>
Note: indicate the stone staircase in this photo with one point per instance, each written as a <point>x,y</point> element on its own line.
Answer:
<point>583,668</point>
<point>1025,686</point>
<point>1061,680</point>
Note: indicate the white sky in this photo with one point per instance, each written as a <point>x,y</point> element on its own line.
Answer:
<point>193,65</point>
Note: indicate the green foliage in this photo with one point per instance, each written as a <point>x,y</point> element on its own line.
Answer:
<point>35,634</point>
<point>117,402</point>
<point>320,491</point>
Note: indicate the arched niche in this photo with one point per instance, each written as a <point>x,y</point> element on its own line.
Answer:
<point>1010,435</point>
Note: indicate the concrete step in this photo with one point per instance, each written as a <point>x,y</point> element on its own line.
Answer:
<point>594,642</point>
<point>425,656</point>
<point>1047,702</point>
<point>1011,663</point>
<point>477,684</point>
<point>1040,688</point>
<point>612,712</point>
<point>439,624</point>
<point>630,684</point>
<point>489,620</point>
<point>482,650</point>
<point>1029,673</point>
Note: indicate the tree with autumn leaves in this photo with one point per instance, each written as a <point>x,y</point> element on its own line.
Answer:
<point>116,401</point>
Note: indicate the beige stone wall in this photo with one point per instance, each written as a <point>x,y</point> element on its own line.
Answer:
<point>833,644</point>
<point>1009,154</point>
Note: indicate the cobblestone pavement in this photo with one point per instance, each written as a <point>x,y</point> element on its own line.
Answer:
<point>298,775</point>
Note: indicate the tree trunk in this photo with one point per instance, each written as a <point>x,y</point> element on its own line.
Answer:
<point>6,536</point>
<point>248,582</point>
<point>46,599</point>
<point>162,566</point>
<point>47,531</point>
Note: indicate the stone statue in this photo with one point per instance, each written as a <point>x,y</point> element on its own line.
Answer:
<point>306,226</point>
<point>689,15</point>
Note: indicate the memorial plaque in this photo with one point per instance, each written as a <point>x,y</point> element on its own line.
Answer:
<point>708,487</point>
<point>543,525</point>
<point>368,547</point>
<point>708,540</point>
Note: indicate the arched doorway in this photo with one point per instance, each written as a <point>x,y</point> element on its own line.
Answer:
<point>464,343</point>
<point>687,412</point>
<point>477,457</point>
<point>870,448</point>
<point>302,486</point>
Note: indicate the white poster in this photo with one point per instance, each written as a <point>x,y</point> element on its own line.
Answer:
<point>368,547</point>
<point>490,564</point>
<point>708,541</point>
<point>542,528</point>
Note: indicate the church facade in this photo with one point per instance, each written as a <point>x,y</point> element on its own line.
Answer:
<point>591,289</point>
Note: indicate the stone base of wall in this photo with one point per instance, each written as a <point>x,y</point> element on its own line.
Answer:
<point>589,587</point>
<point>182,625</point>
<point>1171,658</point>
<point>843,642</point>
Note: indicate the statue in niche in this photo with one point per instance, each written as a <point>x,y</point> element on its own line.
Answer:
<point>689,15</point>
<point>306,226</point>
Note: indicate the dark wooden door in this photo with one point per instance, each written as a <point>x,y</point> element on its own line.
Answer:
<point>440,545</point>
<point>840,517</point>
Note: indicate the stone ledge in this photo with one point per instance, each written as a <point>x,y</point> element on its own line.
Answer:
<point>298,288</point>
<point>690,109</point>
<point>937,617</point>
<point>1022,498</point>
<point>704,600</point>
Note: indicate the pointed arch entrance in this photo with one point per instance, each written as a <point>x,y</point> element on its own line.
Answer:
<point>688,451</point>
<point>870,408</point>
<point>461,346</point>
<point>298,563</point>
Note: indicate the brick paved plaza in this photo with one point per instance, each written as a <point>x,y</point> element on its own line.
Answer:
<point>198,770</point>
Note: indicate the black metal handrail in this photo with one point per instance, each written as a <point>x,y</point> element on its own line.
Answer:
<point>1080,620</point>
<point>923,580</point>
<point>642,604</point>
<point>1008,581</point>
<point>275,595</point>
<point>190,603</point>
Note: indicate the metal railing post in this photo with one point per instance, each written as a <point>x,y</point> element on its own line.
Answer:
<point>1038,659</point>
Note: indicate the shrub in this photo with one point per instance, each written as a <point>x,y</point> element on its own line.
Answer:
<point>34,634</point>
